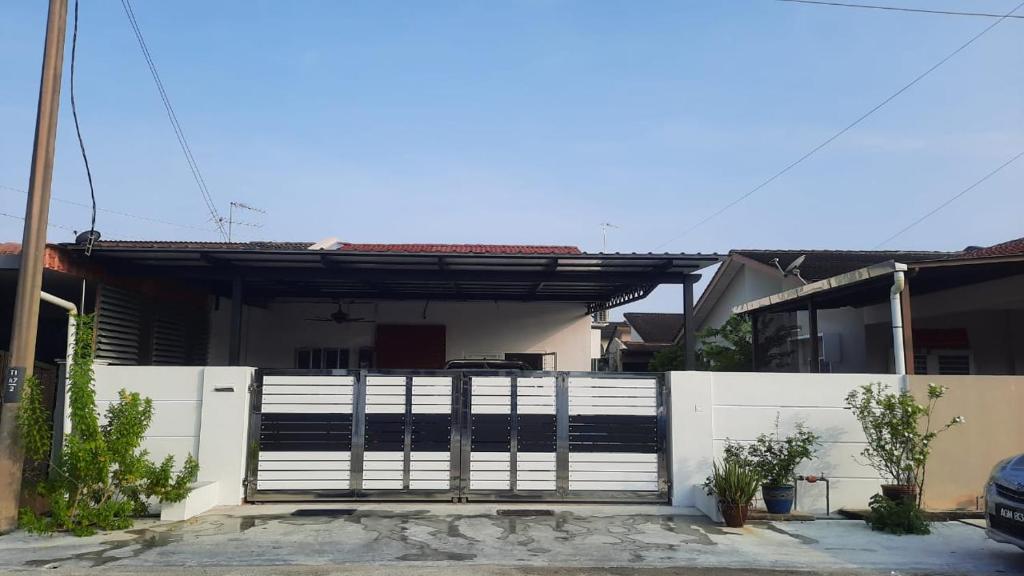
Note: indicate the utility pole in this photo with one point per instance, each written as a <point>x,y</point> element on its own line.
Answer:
<point>30,275</point>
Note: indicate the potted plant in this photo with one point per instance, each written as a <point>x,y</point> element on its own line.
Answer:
<point>899,436</point>
<point>734,484</point>
<point>775,459</point>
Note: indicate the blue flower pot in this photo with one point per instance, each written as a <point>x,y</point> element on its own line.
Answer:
<point>778,499</point>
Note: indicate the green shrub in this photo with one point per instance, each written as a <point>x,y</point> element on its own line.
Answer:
<point>101,479</point>
<point>773,457</point>
<point>896,516</point>
<point>733,482</point>
<point>899,431</point>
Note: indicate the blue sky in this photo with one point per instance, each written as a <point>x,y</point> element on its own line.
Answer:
<point>532,122</point>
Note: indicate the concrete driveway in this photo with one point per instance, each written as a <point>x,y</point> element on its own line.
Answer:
<point>475,539</point>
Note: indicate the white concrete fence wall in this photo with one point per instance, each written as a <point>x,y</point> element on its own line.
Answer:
<point>709,408</point>
<point>202,411</point>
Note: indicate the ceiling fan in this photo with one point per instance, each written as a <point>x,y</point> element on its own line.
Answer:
<point>339,316</point>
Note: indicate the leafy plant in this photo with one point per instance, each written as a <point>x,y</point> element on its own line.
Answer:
<point>896,516</point>
<point>773,457</point>
<point>899,431</point>
<point>101,479</point>
<point>728,348</point>
<point>733,482</point>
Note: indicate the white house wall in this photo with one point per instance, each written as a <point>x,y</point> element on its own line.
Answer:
<point>754,281</point>
<point>473,329</point>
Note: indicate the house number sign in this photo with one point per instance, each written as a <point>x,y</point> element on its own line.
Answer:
<point>13,381</point>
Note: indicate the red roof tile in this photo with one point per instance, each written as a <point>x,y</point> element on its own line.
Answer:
<point>9,248</point>
<point>1010,248</point>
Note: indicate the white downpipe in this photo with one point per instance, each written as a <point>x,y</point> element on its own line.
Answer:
<point>70,349</point>
<point>898,284</point>
<point>72,313</point>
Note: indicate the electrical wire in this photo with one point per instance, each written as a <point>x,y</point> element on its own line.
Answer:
<point>115,212</point>
<point>179,133</point>
<point>50,224</point>
<point>950,200</point>
<point>901,9</point>
<point>81,143</point>
<point>842,131</point>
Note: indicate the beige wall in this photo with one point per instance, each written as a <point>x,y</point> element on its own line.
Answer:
<point>963,456</point>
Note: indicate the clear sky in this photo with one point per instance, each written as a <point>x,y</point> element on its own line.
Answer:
<point>531,121</point>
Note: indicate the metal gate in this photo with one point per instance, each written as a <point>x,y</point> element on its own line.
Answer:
<point>457,435</point>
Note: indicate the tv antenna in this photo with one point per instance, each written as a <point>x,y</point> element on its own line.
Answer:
<point>231,222</point>
<point>605,226</point>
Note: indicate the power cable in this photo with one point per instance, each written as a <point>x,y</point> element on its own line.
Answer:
<point>116,212</point>
<point>50,224</point>
<point>842,131</point>
<point>951,200</point>
<point>902,9</point>
<point>179,133</point>
<point>81,143</point>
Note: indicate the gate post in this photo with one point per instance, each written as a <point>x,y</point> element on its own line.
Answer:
<point>355,470</point>
<point>562,431</point>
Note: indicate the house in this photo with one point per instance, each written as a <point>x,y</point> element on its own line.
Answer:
<point>747,275</point>
<point>640,337</point>
<point>953,314</point>
<point>337,305</point>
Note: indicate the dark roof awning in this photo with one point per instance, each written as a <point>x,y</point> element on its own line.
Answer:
<point>599,280</point>
<point>871,285</point>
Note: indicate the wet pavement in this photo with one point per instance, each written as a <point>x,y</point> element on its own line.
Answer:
<point>469,537</point>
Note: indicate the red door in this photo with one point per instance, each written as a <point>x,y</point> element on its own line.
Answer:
<point>410,347</point>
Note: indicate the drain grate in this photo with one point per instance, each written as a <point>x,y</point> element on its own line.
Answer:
<point>324,512</point>
<point>524,512</point>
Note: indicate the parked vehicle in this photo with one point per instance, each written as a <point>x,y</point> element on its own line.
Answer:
<point>1004,502</point>
<point>486,364</point>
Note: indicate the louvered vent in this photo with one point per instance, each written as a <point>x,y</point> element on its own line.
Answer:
<point>118,326</point>
<point>170,341</point>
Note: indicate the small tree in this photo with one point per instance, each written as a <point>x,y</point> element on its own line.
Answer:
<point>899,440</point>
<point>728,348</point>
<point>101,479</point>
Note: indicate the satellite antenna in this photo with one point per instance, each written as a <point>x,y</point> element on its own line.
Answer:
<point>604,234</point>
<point>793,269</point>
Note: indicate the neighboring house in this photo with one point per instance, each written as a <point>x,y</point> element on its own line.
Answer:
<point>337,305</point>
<point>958,313</point>
<point>642,335</point>
<point>747,275</point>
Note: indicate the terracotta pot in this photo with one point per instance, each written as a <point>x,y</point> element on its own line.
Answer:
<point>900,492</point>
<point>735,516</point>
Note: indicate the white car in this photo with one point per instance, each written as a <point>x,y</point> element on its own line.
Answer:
<point>1004,502</point>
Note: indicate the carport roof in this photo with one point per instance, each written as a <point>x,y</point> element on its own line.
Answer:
<point>406,271</point>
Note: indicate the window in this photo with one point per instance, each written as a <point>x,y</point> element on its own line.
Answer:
<point>920,363</point>
<point>321,358</point>
<point>952,362</point>
<point>957,364</point>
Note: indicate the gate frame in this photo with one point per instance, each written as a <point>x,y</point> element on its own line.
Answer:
<point>460,441</point>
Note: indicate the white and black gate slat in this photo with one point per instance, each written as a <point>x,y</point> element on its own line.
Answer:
<point>341,435</point>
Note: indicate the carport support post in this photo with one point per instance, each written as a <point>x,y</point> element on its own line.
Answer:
<point>908,326</point>
<point>235,336</point>
<point>754,337</point>
<point>689,337</point>
<point>812,327</point>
